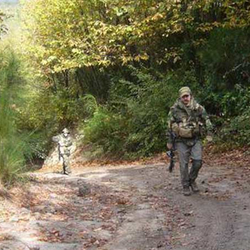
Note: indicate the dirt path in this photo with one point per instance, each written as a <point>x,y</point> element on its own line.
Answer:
<point>128,208</point>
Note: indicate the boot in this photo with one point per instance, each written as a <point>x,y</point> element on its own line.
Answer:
<point>194,187</point>
<point>67,172</point>
<point>186,191</point>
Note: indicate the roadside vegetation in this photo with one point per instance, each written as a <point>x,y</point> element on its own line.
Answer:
<point>112,69</point>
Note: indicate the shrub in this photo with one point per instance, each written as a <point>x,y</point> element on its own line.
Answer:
<point>133,122</point>
<point>236,130</point>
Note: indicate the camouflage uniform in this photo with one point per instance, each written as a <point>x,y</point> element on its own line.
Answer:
<point>64,141</point>
<point>189,123</point>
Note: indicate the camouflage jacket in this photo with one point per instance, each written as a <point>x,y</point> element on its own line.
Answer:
<point>64,143</point>
<point>188,122</point>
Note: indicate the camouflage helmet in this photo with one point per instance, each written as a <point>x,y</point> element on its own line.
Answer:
<point>65,131</point>
<point>184,91</point>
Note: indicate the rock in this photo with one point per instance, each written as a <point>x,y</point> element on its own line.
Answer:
<point>44,209</point>
<point>159,245</point>
<point>130,220</point>
<point>53,196</point>
<point>24,212</point>
<point>82,191</point>
<point>37,215</point>
<point>14,219</point>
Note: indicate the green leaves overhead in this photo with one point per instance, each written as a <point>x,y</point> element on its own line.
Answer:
<point>68,34</point>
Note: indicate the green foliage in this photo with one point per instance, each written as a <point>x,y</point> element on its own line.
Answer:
<point>90,104</point>
<point>46,109</point>
<point>134,122</point>
<point>237,130</point>
<point>46,113</point>
<point>226,57</point>
<point>222,71</point>
<point>106,130</point>
<point>123,61</point>
<point>13,147</point>
<point>104,33</point>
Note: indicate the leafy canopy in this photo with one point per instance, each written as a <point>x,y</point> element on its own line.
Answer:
<point>66,34</point>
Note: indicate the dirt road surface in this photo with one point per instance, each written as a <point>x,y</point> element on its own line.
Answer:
<point>136,207</point>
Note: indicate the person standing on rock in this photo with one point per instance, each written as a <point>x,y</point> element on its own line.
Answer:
<point>64,142</point>
<point>188,122</point>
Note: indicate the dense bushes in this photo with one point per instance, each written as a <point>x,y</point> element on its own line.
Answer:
<point>236,130</point>
<point>133,122</point>
<point>46,113</point>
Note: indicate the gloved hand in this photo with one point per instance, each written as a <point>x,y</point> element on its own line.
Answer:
<point>209,138</point>
<point>169,146</point>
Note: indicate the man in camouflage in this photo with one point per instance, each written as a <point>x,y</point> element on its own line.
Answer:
<point>64,142</point>
<point>188,121</point>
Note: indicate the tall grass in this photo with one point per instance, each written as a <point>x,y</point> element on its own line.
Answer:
<point>12,145</point>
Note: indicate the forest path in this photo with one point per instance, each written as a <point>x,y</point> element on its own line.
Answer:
<point>138,207</point>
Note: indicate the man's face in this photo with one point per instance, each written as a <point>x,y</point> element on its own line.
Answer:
<point>186,99</point>
<point>65,134</point>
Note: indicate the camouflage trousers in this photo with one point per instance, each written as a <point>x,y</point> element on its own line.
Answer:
<point>66,163</point>
<point>186,151</point>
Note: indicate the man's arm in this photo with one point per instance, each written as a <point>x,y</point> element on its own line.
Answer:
<point>208,124</point>
<point>55,138</point>
<point>171,123</point>
<point>205,118</point>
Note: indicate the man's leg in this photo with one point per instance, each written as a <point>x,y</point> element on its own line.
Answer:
<point>196,155</point>
<point>66,164</point>
<point>67,169</point>
<point>184,155</point>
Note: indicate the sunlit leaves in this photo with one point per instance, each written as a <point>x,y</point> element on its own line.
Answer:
<point>74,33</point>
